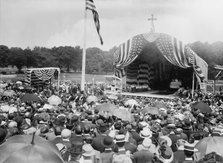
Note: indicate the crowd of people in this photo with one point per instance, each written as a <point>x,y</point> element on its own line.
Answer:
<point>83,133</point>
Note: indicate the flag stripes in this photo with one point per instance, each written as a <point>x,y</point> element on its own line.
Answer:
<point>91,6</point>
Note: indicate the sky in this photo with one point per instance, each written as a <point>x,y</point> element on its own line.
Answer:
<point>49,23</point>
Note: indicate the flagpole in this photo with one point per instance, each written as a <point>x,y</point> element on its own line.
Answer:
<point>84,52</point>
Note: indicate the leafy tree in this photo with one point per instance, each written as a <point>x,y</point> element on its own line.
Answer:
<point>17,58</point>
<point>4,54</point>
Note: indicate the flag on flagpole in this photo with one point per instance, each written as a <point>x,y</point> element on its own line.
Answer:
<point>91,6</point>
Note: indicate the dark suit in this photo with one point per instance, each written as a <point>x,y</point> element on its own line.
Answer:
<point>128,147</point>
<point>58,139</point>
<point>179,156</point>
<point>107,156</point>
<point>143,156</point>
<point>136,136</point>
<point>97,143</point>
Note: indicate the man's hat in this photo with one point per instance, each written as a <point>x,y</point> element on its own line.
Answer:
<point>190,147</point>
<point>120,138</point>
<point>88,150</point>
<point>146,133</point>
<point>107,142</point>
<point>164,153</point>
<point>166,139</point>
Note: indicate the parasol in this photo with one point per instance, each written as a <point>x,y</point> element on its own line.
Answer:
<point>131,102</point>
<point>24,149</point>
<point>30,97</point>
<point>54,100</point>
<point>203,107</point>
<point>150,110</point>
<point>208,145</point>
<point>91,99</point>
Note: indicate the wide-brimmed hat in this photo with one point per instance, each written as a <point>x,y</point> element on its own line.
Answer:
<point>119,138</point>
<point>165,153</point>
<point>107,142</point>
<point>216,132</point>
<point>145,133</point>
<point>12,124</point>
<point>148,145</point>
<point>66,133</point>
<point>88,150</point>
<point>166,139</point>
<point>190,147</point>
<point>143,124</point>
<point>147,142</point>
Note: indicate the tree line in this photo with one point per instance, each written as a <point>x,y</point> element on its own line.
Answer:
<point>67,58</point>
<point>97,61</point>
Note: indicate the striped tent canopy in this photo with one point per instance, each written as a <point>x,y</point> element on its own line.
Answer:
<point>170,48</point>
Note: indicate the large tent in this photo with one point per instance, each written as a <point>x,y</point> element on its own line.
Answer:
<point>140,57</point>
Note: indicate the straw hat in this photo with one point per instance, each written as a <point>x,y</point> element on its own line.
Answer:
<point>146,133</point>
<point>190,147</point>
<point>120,138</point>
<point>88,150</point>
<point>164,153</point>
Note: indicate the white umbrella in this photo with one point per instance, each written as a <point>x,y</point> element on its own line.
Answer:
<point>54,100</point>
<point>5,108</point>
<point>131,102</point>
<point>48,106</point>
<point>92,99</point>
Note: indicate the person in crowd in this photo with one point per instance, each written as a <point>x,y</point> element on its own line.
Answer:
<point>122,156</point>
<point>107,155</point>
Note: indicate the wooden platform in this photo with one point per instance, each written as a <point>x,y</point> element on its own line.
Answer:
<point>152,94</point>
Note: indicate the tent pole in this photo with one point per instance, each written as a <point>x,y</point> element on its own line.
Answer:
<point>193,86</point>
<point>58,79</point>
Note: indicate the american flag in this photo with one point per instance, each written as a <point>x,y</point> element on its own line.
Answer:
<point>129,51</point>
<point>173,50</point>
<point>91,6</point>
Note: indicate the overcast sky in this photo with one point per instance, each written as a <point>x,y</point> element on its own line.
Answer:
<point>29,23</point>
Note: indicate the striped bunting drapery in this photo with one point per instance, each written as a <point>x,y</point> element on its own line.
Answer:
<point>172,49</point>
<point>180,55</point>
<point>44,74</point>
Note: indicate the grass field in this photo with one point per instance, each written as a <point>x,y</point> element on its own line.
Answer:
<point>63,77</point>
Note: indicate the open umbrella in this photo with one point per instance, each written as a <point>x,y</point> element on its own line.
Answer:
<point>48,106</point>
<point>8,93</point>
<point>159,105</point>
<point>27,149</point>
<point>131,102</point>
<point>54,100</point>
<point>91,99</point>
<point>211,157</point>
<point>107,107</point>
<point>5,108</point>
<point>30,97</point>
<point>208,145</point>
<point>123,114</point>
<point>203,107</point>
<point>150,110</point>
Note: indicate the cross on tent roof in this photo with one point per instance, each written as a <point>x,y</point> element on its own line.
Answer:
<point>152,19</point>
